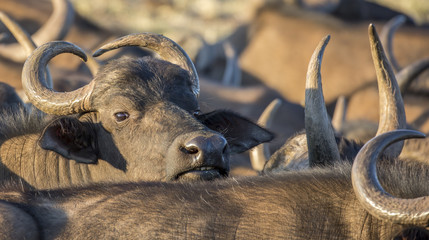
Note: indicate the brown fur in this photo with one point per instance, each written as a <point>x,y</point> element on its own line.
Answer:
<point>311,204</point>
<point>95,147</point>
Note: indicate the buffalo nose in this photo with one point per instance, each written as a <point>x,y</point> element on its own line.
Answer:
<point>204,148</point>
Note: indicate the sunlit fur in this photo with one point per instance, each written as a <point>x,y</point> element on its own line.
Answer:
<point>317,203</point>
<point>47,152</point>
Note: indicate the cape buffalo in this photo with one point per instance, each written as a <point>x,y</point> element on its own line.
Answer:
<point>301,151</point>
<point>138,119</point>
<point>380,196</point>
<point>317,203</point>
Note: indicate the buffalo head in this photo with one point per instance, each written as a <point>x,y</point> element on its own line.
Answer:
<point>139,115</point>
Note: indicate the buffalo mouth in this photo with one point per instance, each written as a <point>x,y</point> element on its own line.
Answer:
<point>202,173</point>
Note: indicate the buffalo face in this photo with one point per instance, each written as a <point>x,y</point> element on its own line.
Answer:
<point>147,124</point>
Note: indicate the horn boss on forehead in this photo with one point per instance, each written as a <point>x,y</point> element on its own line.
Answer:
<point>77,101</point>
<point>166,48</point>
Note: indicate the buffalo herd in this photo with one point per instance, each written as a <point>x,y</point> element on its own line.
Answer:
<point>131,142</point>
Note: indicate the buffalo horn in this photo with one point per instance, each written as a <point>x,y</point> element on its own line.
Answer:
<point>55,28</point>
<point>392,112</point>
<point>386,37</point>
<point>260,154</point>
<point>322,147</point>
<point>232,73</point>
<point>24,39</point>
<point>339,115</point>
<point>411,72</point>
<point>166,48</point>
<point>44,98</point>
<point>406,75</point>
<point>370,193</point>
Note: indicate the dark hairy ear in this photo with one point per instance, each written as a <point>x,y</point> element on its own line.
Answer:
<point>70,138</point>
<point>241,133</point>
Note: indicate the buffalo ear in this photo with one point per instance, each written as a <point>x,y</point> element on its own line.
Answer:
<point>70,138</point>
<point>241,133</point>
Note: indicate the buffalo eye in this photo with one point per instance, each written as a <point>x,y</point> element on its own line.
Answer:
<point>197,113</point>
<point>121,116</point>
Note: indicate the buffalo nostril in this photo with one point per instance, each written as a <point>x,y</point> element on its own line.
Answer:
<point>205,145</point>
<point>190,149</point>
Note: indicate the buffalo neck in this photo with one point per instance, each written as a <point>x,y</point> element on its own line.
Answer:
<point>23,159</point>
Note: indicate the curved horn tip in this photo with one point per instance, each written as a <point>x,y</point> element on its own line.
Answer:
<point>324,42</point>
<point>400,19</point>
<point>63,47</point>
<point>416,134</point>
<point>398,135</point>
<point>99,52</point>
<point>372,31</point>
<point>82,55</point>
<point>327,38</point>
<point>78,51</point>
<point>277,102</point>
<point>314,64</point>
<point>321,47</point>
<point>267,115</point>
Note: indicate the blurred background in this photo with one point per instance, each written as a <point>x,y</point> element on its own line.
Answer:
<point>213,20</point>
